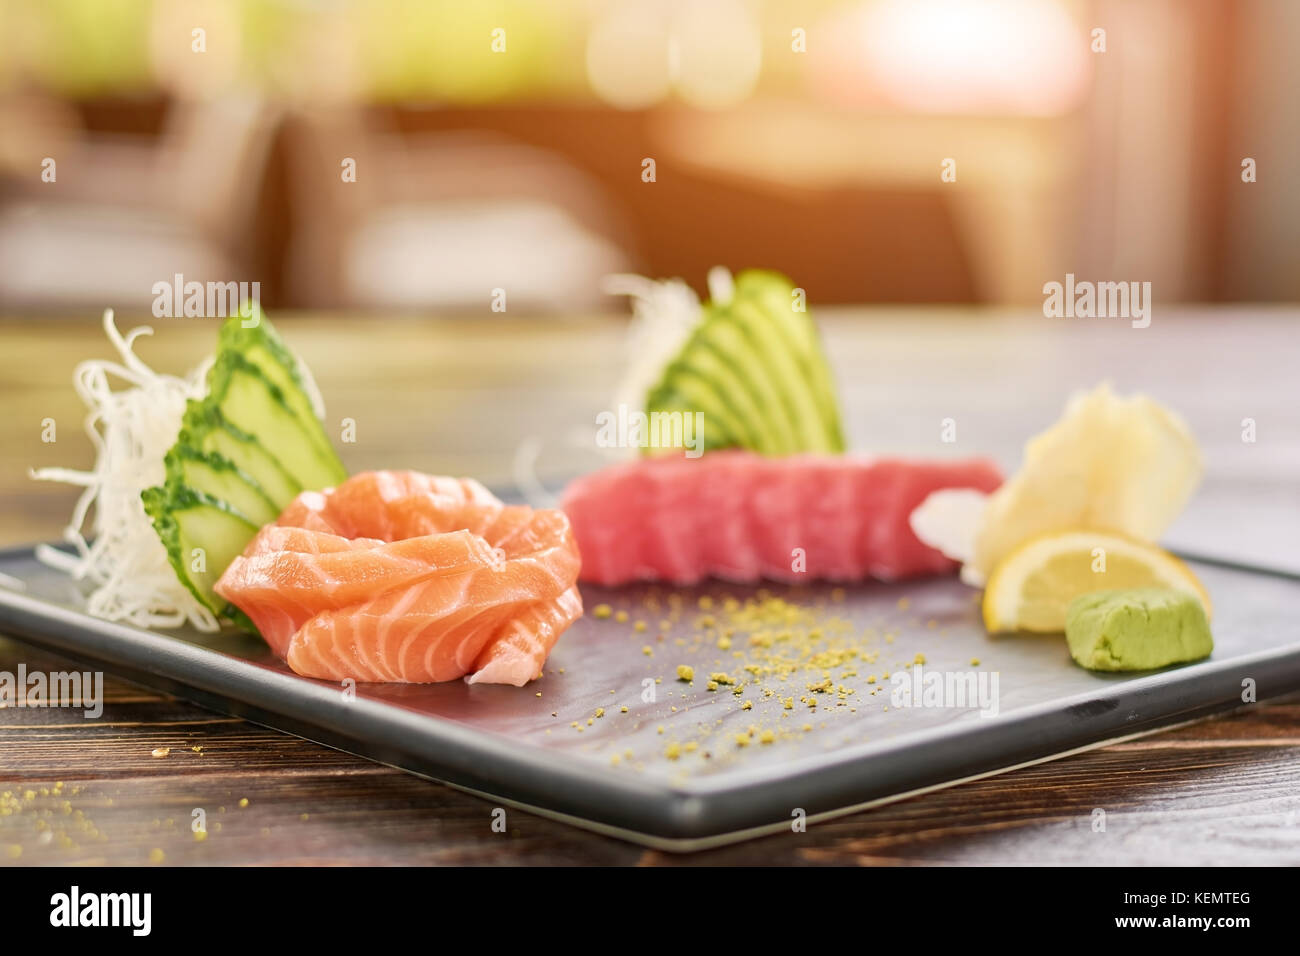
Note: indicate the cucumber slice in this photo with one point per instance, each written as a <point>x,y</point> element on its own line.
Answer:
<point>774,294</point>
<point>248,334</point>
<point>756,369</point>
<point>787,377</point>
<point>730,341</point>
<point>685,388</point>
<point>242,455</point>
<point>215,475</point>
<point>250,402</point>
<point>204,429</point>
<point>667,399</point>
<point>705,362</point>
<point>202,536</point>
<point>710,360</point>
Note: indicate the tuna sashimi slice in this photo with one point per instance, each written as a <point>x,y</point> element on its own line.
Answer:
<point>776,519</point>
<point>792,519</point>
<point>722,519</point>
<point>671,543</point>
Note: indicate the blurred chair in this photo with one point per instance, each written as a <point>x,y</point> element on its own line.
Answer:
<point>124,214</point>
<point>440,221</point>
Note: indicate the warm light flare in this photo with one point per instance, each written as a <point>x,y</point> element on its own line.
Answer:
<point>957,56</point>
<point>709,53</point>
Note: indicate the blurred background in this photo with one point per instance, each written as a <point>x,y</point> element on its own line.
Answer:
<point>413,156</point>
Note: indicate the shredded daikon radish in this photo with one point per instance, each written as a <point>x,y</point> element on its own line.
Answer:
<point>663,314</point>
<point>131,429</point>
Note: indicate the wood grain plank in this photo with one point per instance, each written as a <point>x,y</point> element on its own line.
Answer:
<point>1223,790</point>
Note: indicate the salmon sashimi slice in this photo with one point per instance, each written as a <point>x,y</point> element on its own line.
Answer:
<point>742,516</point>
<point>399,576</point>
<point>525,639</point>
<point>283,587</point>
<point>435,629</point>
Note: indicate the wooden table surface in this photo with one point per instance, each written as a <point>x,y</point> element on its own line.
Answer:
<point>461,396</point>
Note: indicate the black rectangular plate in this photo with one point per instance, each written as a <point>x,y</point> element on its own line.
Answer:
<point>520,746</point>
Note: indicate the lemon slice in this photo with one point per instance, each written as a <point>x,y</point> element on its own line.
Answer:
<point>1030,589</point>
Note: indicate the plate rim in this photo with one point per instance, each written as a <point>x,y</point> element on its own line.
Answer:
<point>662,814</point>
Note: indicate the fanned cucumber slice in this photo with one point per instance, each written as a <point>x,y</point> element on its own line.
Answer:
<point>216,475</point>
<point>729,341</point>
<point>202,536</point>
<point>243,453</point>
<point>667,399</point>
<point>204,429</point>
<point>685,387</point>
<point>784,372</point>
<point>755,367</point>
<point>774,293</point>
<point>251,336</point>
<point>249,401</point>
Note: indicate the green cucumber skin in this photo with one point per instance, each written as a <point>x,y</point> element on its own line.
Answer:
<point>766,368</point>
<point>695,394</point>
<point>730,383</point>
<point>229,369</point>
<point>200,423</point>
<point>795,393</point>
<point>775,292</point>
<point>722,373</point>
<point>683,379</point>
<point>666,400</point>
<point>180,455</point>
<point>155,506</point>
<point>668,396</point>
<point>235,336</point>
<point>725,334</point>
<point>238,618</point>
<point>256,355</point>
<point>162,505</point>
<point>261,346</point>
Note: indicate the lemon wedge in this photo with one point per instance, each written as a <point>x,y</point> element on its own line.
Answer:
<point>1031,588</point>
<point>1125,464</point>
